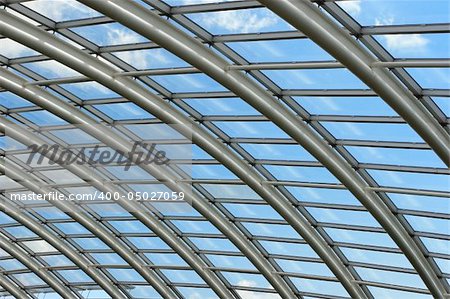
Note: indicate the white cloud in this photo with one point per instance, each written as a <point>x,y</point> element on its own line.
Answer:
<point>190,2</point>
<point>403,43</point>
<point>240,20</point>
<point>351,7</point>
<point>13,49</point>
<point>59,10</point>
<point>56,68</point>
<point>122,36</point>
<point>251,294</point>
<point>406,42</point>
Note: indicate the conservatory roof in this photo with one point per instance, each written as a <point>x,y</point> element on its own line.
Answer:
<point>307,144</point>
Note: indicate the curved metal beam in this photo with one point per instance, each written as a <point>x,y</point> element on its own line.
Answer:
<point>40,97</point>
<point>178,42</point>
<point>12,288</point>
<point>162,110</point>
<point>12,211</point>
<point>20,255</point>
<point>308,19</point>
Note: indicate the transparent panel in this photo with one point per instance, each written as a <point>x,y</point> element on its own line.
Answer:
<point>370,106</point>
<point>240,21</point>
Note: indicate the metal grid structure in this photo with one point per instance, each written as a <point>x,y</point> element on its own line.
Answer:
<point>320,148</point>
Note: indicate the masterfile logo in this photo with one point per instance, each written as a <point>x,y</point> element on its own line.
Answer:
<point>140,153</point>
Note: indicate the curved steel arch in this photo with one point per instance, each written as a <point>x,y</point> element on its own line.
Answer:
<point>72,115</point>
<point>33,265</point>
<point>178,42</point>
<point>12,288</point>
<point>12,211</point>
<point>162,110</point>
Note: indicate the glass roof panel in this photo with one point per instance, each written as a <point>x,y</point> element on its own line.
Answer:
<point>302,174</point>
<point>252,211</point>
<point>369,131</point>
<point>224,261</point>
<point>121,111</point>
<point>28,279</point>
<point>432,77</point>
<point>11,264</point>
<point>315,79</point>
<point>371,106</point>
<point>126,275</point>
<point>421,203</point>
<point>323,195</point>
<point>304,267</point>
<point>438,182</point>
<point>444,105</point>
<point>360,237</point>
<point>381,258</point>
<point>109,34</point>
<point>251,129</point>
<point>403,279</point>
<point>319,286</point>
<point>278,152</point>
<point>271,230</point>
<point>222,106</point>
<point>280,50</point>
<point>427,224</point>
<point>188,83</point>
<point>416,45</point>
<point>90,243</point>
<point>51,69</point>
<point>436,245</point>
<point>395,156</point>
<point>74,276</point>
<point>240,21</point>
<point>12,49</point>
<point>10,100</point>
<point>343,217</point>
<point>390,12</point>
<point>151,59</point>
<point>58,11</point>
<point>390,293</point>
<point>182,276</point>
<point>43,118</point>
<point>89,90</point>
<point>214,244</point>
<point>286,248</point>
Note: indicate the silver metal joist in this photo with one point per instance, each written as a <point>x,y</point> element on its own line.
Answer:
<point>162,32</point>
<point>89,66</point>
<point>23,257</point>
<point>40,97</point>
<point>27,138</point>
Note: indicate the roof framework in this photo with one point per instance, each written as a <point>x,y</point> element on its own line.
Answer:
<point>332,262</point>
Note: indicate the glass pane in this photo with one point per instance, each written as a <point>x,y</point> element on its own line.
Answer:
<point>389,12</point>
<point>240,21</point>
<point>371,106</point>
